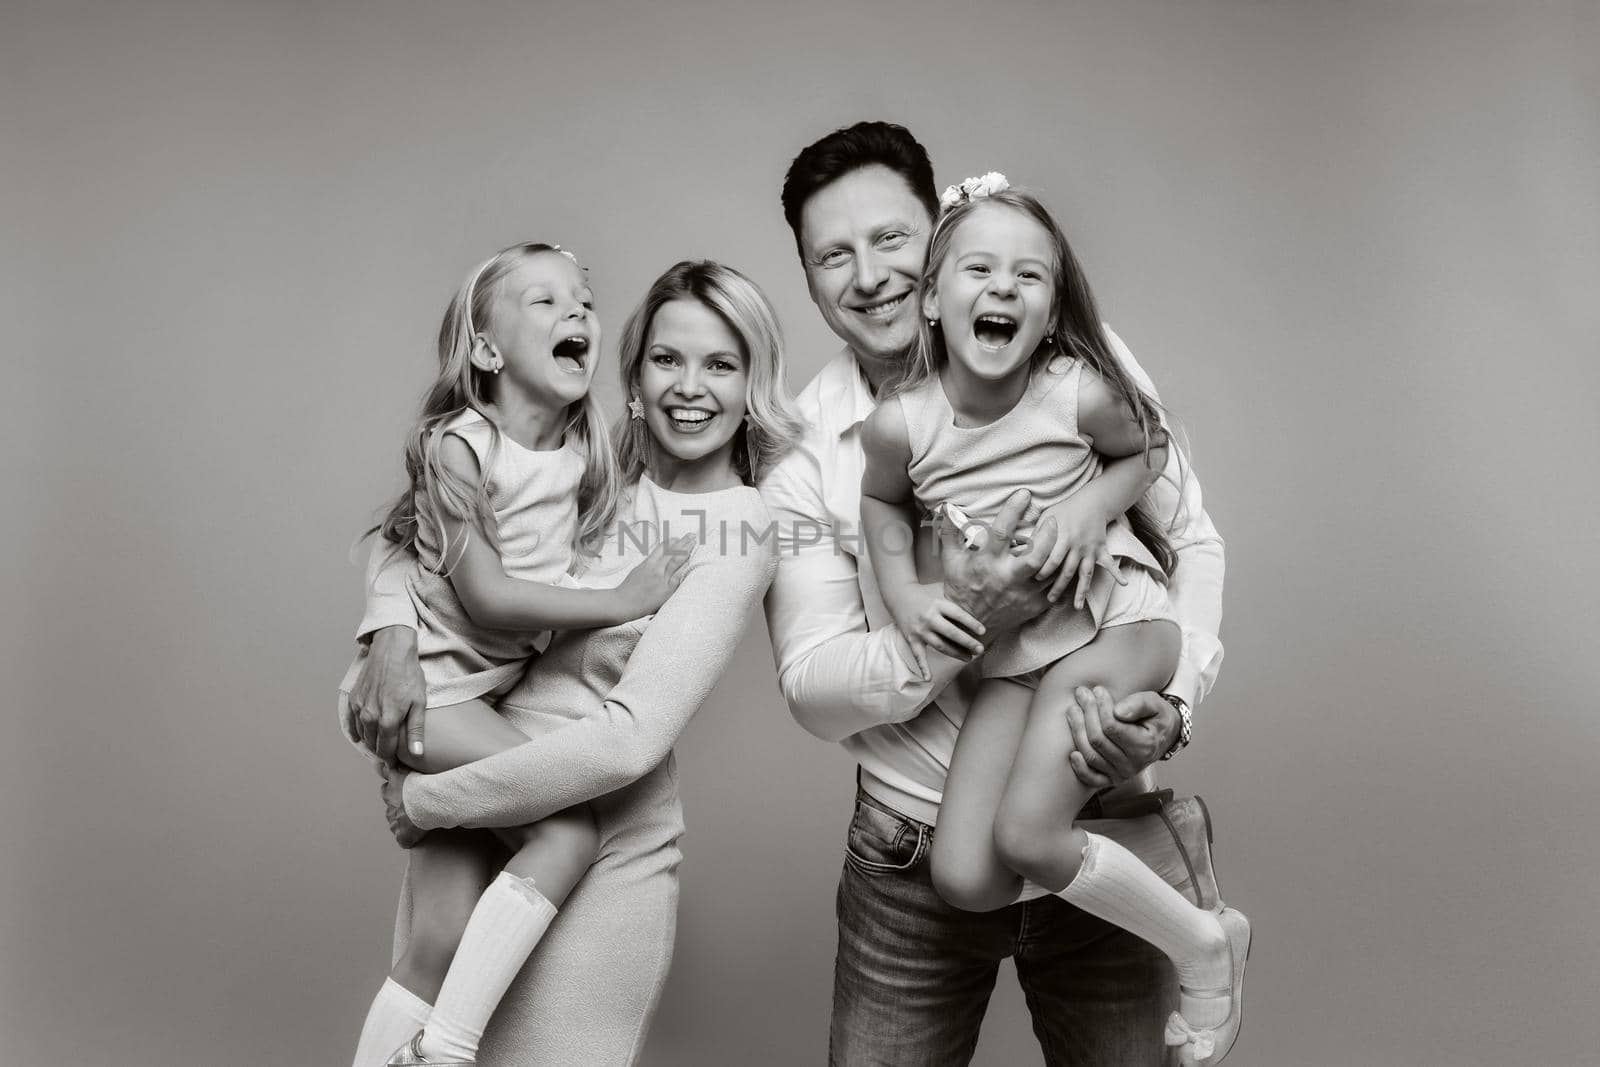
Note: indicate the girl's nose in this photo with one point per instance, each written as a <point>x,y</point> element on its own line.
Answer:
<point>1002,284</point>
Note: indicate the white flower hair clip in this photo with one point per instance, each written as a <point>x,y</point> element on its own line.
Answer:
<point>973,189</point>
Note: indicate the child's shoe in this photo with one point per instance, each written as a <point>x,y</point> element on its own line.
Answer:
<point>1209,1046</point>
<point>410,1055</point>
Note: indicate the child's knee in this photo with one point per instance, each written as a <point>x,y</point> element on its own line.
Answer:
<point>966,886</point>
<point>1048,855</point>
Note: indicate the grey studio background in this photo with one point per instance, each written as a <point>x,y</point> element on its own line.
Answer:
<point>1355,244</point>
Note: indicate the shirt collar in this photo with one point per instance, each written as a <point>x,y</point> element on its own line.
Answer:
<point>846,397</point>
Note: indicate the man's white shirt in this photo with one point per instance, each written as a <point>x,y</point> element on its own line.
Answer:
<point>843,666</point>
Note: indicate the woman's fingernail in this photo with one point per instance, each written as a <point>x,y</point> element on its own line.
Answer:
<point>416,748</point>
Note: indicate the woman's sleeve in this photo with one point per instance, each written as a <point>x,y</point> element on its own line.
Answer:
<point>677,662</point>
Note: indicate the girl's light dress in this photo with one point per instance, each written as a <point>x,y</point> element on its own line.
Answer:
<point>534,498</point>
<point>1035,446</point>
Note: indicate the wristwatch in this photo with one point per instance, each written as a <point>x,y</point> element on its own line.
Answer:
<point>1185,725</point>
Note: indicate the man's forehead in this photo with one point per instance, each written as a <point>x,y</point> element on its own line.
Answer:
<point>864,200</point>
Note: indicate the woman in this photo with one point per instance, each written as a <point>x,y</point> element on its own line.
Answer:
<point>708,414</point>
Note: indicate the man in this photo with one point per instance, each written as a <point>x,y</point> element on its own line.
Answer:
<point>913,975</point>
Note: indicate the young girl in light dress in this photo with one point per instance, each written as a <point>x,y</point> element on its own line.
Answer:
<point>509,471</point>
<point>1014,385</point>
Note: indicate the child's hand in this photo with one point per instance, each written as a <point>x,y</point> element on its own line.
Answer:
<point>927,619</point>
<point>648,585</point>
<point>1080,547</point>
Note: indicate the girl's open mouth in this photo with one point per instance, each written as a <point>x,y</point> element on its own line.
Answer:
<point>570,353</point>
<point>994,331</point>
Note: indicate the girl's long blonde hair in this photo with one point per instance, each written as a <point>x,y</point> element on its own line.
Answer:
<point>1077,333</point>
<point>772,424</point>
<point>415,519</point>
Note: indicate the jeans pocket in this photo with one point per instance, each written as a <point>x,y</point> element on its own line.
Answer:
<point>880,842</point>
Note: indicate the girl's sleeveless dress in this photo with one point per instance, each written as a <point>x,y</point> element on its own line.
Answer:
<point>1035,446</point>
<point>534,498</point>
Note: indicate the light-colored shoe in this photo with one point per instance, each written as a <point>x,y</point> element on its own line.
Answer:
<point>1209,1046</point>
<point>410,1055</point>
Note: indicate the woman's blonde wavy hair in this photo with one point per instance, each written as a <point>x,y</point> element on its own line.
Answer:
<point>772,424</point>
<point>415,519</point>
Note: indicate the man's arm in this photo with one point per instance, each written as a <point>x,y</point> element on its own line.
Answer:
<point>1196,586</point>
<point>838,676</point>
<point>1116,740</point>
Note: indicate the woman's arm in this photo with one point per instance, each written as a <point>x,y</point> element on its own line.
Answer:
<point>672,670</point>
<point>497,601</point>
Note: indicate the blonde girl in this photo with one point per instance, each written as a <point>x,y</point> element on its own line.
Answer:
<point>1015,385</point>
<point>509,469</point>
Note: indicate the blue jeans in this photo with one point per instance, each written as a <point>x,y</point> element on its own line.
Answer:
<point>913,975</point>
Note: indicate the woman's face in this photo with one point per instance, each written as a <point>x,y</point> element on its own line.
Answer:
<point>993,292</point>
<point>692,382</point>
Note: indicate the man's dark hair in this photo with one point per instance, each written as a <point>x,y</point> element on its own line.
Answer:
<point>863,145</point>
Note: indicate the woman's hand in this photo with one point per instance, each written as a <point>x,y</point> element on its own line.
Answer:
<point>648,585</point>
<point>389,695</point>
<point>928,619</point>
<point>1079,548</point>
<point>405,831</point>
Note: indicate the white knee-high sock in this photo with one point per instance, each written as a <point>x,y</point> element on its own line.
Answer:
<point>1115,885</point>
<point>396,1014</point>
<point>508,922</point>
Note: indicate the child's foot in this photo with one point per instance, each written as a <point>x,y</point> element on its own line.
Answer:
<point>410,1055</point>
<point>1208,1023</point>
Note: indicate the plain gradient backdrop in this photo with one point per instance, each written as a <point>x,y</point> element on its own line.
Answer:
<point>1354,243</point>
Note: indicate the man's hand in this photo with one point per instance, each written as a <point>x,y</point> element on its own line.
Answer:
<point>1113,741</point>
<point>394,807</point>
<point>994,583</point>
<point>389,695</point>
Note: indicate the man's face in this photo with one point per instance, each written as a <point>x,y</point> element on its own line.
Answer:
<point>863,239</point>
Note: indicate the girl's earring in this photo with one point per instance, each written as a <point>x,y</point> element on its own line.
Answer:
<point>635,408</point>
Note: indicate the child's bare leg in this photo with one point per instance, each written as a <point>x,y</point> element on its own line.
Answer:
<point>554,853</point>
<point>1034,833</point>
<point>966,870</point>
<point>461,733</point>
<point>512,914</point>
<point>448,871</point>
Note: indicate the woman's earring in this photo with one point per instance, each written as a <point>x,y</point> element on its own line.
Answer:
<point>496,363</point>
<point>635,408</point>
<point>933,322</point>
